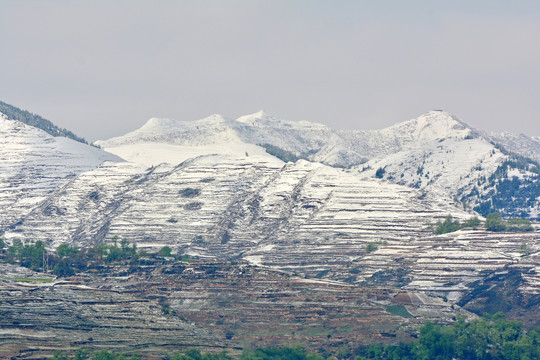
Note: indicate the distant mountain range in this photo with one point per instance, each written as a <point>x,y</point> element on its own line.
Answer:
<point>436,152</point>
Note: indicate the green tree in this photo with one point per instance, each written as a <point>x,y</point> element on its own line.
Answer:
<point>447,226</point>
<point>58,355</point>
<point>63,268</point>
<point>165,251</point>
<point>66,250</point>
<point>16,249</point>
<point>81,354</point>
<point>495,222</point>
<point>516,224</point>
<point>471,223</point>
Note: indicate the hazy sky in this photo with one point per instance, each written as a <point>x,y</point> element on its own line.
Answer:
<point>102,68</point>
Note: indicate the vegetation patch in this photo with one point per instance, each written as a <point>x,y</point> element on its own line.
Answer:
<point>398,310</point>
<point>282,154</point>
<point>195,205</point>
<point>495,222</point>
<point>451,225</point>
<point>371,247</point>
<point>509,195</point>
<point>190,192</point>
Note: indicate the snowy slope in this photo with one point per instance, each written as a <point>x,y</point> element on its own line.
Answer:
<point>235,206</point>
<point>173,141</point>
<point>435,152</point>
<point>33,164</point>
<point>467,166</point>
<point>446,167</point>
<point>518,143</point>
<point>303,218</point>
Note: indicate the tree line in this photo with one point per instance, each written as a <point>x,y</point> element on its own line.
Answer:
<point>494,222</point>
<point>68,260</point>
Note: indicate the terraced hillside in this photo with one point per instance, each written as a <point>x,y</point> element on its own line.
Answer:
<point>33,164</point>
<point>223,207</point>
<point>159,308</point>
<point>286,252</point>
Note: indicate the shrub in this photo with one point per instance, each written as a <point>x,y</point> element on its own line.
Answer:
<point>472,222</point>
<point>516,224</point>
<point>190,192</point>
<point>495,222</point>
<point>447,226</point>
<point>196,205</point>
<point>371,247</point>
<point>165,251</point>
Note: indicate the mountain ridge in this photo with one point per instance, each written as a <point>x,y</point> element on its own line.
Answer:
<point>316,142</point>
<point>424,152</point>
<point>13,113</point>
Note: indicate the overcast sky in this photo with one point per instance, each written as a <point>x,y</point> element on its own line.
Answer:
<point>102,68</point>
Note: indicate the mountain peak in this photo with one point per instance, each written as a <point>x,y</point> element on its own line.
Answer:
<point>251,118</point>
<point>158,123</point>
<point>212,119</point>
<point>435,124</point>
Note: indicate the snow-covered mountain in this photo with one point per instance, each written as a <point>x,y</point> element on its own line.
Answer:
<point>518,143</point>
<point>34,164</point>
<point>211,188</point>
<point>315,142</point>
<point>448,162</point>
<point>435,152</point>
